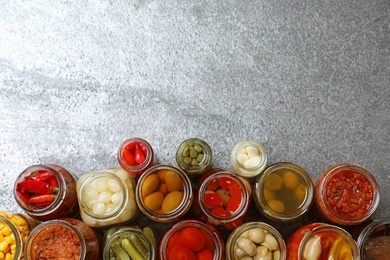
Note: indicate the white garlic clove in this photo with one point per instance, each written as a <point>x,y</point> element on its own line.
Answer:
<point>252,151</point>
<point>257,235</point>
<point>313,248</point>
<point>252,162</point>
<point>242,158</point>
<point>247,245</point>
<point>270,242</point>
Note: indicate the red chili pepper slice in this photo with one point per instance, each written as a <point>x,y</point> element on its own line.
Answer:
<point>23,197</point>
<point>37,187</point>
<point>234,203</point>
<point>41,176</point>
<point>37,199</point>
<point>213,185</point>
<point>53,182</point>
<point>139,156</point>
<point>212,200</point>
<point>224,182</point>
<point>235,188</point>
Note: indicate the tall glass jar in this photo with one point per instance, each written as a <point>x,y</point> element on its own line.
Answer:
<point>164,193</point>
<point>136,155</point>
<point>346,195</point>
<point>192,239</point>
<point>11,244</point>
<point>119,242</point>
<point>194,156</point>
<point>284,192</point>
<point>321,241</point>
<point>47,191</point>
<point>64,238</point>
<point>255,240</point>
<point>248,159</point>
<point>223,200</point>
<point>107,198</point>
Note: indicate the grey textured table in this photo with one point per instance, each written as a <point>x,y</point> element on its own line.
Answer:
<point>308,79</point>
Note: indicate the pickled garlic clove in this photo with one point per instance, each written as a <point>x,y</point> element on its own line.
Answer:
<point>252,162</point>
<point>313,248</point>
<point>242,158</point>
<point>252,151</point>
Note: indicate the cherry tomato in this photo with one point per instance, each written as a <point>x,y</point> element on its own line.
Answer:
<point>204,254</point>
<point>179,252</point>
<point>173,240</point>
<point>209,242</point>
<point>192,238</point>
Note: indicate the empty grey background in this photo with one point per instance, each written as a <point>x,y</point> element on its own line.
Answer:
<point>308,79</point>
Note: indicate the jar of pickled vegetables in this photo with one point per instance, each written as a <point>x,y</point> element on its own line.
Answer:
<point>130,243</point>
<point>223,200</point>
<point>11,240</point>
<point>255,240</point>
<point>284,192</point>
<point>346,195</point>
<point>194,156</point>
<point>164,193</point>
<point>136,155</point>
<point>64,238</point>
<point>107,198</point>
<point>47,191</point>
<point>248,159</point>
<point>191,239</point>
<point>321,241</point>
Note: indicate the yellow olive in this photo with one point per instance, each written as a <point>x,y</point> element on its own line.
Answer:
<point>276,205</point>
<point>150,185</point>
<point>290,180</point>
<point>173,181</point>
<point>154,200</point>
<point>274,182</point>
<point>172,201</point>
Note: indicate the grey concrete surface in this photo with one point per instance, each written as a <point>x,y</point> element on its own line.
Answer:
<point>308,79</point>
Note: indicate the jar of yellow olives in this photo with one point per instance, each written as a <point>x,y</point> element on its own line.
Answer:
<point>284,192</point>
<point>194,156</point>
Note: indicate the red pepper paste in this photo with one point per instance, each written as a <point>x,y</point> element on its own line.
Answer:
<point>349,194</point>
<point>56,242</point>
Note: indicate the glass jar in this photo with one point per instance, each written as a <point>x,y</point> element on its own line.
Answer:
<point>118,242</point>
<point>107,198</point>
<point>373,239</point>
<point>11,244</point>
<point>135,156</point>
<point>321,241</point>
<point>346,195</point>
<point>248,159</point>
<point>194,156</point>
<point>64,238</point>
<point>255,240</point>
<point>164,193</point>
<point>284,192</point>
<point>46,192</point>
<point>192,239</point>
<point>22,222</point>
<point>223,200</point>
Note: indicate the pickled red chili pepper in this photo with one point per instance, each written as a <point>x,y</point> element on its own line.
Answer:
<point>44,199</point>
<point>37,187</point>
<point>134,154</point>
<point>41,176</point>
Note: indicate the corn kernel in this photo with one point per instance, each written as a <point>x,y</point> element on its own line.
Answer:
<point>1,237</point>
<point>6,231</point>
<point>3,246</point>
<point>10,240</point>
<point>2,255</point>
<point>8,256</point>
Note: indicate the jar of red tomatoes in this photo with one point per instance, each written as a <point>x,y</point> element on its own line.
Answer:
<point>107,198</point>
<point>136,155</point>
<point>191,239</point>
<point>47,191</point>
<point>164,193</point>
<point>194,156</point>
<point>64,238</point>
<point>284,192</point>
<point>346,195</point>
<point>255,240</point>
<point>222,199</point>
<point>11,242</point>
<point>248,159</point>
<point>321,241</point>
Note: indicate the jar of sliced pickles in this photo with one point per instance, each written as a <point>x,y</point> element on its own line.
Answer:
<point>284,192</point>
<point>164,193</point>
<point>107,198</point>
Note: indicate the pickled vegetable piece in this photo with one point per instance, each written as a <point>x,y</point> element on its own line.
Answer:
<point>274,182</point>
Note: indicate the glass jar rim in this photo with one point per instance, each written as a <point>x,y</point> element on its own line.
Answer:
<point>361,240</point>
<point>149,155</point>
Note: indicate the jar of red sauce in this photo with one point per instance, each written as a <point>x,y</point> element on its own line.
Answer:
<point>136,155</point>
<point>346,195</point>
<point>107,198</point>
<point>46,192</point>
<point>191,239</point>
<point>284,192</point>
<point>11,244</point>
<point>255,240</point>
<point>222,199</point>
<point>164,193</point>
<point>321,241</point>
<point>64,238</point>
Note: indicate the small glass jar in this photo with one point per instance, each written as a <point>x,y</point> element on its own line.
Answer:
<point>194,156</point>
<point>64,238</point>
<point>346,195</point>
<point>373,239</point>
<point>164,193</point>
<point>46,192</point>
<point>248,159</point>
<point>107,198</point>
<point>11,244</point>
<point>284,192</point>
<point>135,156</point>
<point>321,241</point>
<point>255,240</point>
<point>195,238</point>
<point>119,241</point>
<point>223,200</point>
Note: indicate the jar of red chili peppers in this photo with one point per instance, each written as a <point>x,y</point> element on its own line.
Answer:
<point>321,241</point>
<point>346,195</point>
<point>47,191</point>
<point>63,238</point>
<point>136,155</point>
<point>223,200</point>
<point>191,239</point>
